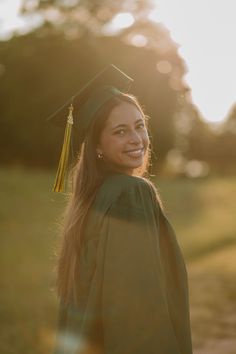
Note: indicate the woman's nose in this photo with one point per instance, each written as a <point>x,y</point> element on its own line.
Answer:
<point>135,137</point>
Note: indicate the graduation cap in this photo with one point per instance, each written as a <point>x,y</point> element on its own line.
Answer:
<point>80,111</point>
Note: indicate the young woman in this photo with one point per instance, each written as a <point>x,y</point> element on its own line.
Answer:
<point>121,277</point>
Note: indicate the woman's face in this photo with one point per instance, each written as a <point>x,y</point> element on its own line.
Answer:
<point>124,138</point>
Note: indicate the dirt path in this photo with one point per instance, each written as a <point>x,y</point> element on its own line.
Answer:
<point>212,286</point>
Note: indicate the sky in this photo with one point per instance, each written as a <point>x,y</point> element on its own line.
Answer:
<point>205,31</point>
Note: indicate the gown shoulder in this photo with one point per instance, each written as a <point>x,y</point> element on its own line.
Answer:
<point>123,191</point>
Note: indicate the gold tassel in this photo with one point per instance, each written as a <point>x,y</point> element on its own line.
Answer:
<point>59,184</point>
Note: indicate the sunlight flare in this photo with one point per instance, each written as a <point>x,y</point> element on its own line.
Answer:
<point>205,32</point>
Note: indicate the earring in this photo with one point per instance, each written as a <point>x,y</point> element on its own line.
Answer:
<point>100,155</point>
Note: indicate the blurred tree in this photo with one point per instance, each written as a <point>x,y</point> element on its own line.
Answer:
<point>83,16</point>
<point>194,138</point>
<point>45,67</point>
<point>200,138</point>
<point>39,75</point>
<point>225,145</point>
<point>199,141</point>
<point>230,121</point>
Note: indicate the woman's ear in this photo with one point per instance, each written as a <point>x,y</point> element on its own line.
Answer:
<point>98,150</point>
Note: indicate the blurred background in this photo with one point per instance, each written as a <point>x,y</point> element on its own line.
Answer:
<point>182,56</point>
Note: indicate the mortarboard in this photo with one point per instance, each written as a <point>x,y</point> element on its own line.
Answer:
<point>80,110</point>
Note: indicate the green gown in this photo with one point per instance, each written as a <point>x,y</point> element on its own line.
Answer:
<point>131,296</point>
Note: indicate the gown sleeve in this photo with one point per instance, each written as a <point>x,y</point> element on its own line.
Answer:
<point>129,307</point>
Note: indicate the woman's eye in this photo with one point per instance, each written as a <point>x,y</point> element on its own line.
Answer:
<point>120,132</point>
<point>141,126</point>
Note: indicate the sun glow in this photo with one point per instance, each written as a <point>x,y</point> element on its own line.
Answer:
<point>10,19</point>
<point>205,31</point>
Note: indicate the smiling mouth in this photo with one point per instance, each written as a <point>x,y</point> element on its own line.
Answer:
<point>135,152</point>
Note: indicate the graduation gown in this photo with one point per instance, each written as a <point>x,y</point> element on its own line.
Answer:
<point>131,295</point>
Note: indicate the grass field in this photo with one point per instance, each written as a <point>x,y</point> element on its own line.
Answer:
<point>202,213</point>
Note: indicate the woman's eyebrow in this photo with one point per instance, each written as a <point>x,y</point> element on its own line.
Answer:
<point>119,126</point>
<point>125,125</point>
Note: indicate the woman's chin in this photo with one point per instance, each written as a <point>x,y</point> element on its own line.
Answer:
<point>126,166</point>
<point>129,168</point>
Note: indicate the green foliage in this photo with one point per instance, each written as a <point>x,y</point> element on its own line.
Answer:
<point>225,145</point>
<point>98,11</point>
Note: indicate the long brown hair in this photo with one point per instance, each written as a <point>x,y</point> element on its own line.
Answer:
<point>87,175</point>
